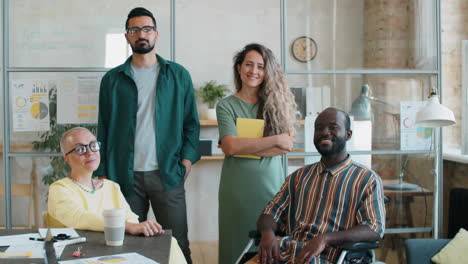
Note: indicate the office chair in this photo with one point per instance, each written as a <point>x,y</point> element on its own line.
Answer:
<point>421,250</point>
<point>349,249</point>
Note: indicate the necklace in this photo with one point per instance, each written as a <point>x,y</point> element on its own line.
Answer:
<point>81,186</point>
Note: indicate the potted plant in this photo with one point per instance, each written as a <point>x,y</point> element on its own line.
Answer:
<point>211,93</point>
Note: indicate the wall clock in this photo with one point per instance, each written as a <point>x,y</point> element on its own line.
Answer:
<point>304,49</point>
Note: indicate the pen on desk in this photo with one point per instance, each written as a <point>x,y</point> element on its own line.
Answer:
<point>36,239</point>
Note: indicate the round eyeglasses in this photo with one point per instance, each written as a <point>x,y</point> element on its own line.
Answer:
<point>81,149</point>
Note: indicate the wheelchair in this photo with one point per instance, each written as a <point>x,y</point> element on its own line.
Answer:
<point>362,252</point>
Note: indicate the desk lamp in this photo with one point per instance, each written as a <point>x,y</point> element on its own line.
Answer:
<point>361,107</point>
<point>361,110</point>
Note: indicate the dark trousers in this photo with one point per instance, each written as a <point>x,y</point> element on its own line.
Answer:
<point>168,206</point>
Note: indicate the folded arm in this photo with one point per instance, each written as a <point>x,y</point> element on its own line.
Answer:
<point>266,146</point>
<point>271,152</point>
<point>231,144</point>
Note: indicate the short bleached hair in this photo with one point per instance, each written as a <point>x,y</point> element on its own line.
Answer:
<point>63,140</point>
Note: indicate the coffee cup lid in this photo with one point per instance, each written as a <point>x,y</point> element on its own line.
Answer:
<point>113,212</point>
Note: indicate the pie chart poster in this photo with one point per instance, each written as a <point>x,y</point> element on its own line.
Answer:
<point>412,136</point>
<point>30,104</point>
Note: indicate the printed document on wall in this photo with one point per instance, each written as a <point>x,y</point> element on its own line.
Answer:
<point>30,104</point>
<point>413,137</point>
<point>77,100</point>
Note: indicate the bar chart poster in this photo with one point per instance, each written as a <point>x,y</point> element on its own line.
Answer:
<point>77,100</point>
<point>30,105</point>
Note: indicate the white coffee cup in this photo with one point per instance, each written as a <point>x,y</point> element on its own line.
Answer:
<point>114,226</point>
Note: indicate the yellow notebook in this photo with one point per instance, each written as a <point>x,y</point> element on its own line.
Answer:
<point>249,128</point>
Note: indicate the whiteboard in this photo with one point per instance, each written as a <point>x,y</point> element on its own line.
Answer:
<point>68,33</point>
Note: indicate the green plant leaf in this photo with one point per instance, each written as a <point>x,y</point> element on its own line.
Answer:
<point>211,93</point>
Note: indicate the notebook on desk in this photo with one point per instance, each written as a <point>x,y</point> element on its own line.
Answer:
<point>249,128</point>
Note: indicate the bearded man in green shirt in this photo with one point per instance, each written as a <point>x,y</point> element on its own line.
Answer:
<point>149,129</point>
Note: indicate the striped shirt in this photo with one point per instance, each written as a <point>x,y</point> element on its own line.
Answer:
<point>315,200</point>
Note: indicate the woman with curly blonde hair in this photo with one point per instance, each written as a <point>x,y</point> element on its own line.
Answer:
<point>247,185</point>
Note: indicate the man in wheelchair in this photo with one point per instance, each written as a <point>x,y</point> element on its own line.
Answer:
<point>325,204</point>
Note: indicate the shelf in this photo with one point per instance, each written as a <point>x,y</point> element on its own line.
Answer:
<point>204,122</point>
<point>214,157</point>
<point>221,157</point>
<point>23,147</point>
<point>208,122</point>
<point>367,152</point>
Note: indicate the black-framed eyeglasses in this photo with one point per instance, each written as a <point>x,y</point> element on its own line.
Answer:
<point>81,149</point>
<point>134,30</point>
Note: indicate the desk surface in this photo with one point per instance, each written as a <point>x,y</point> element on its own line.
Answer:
<point>418,192</point>
<point>156,248</point>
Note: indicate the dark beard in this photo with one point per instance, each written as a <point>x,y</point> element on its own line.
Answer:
<point>142,49</point>
<point>338,145</point>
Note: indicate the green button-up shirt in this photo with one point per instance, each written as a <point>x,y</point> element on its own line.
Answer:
<point>177,125</point>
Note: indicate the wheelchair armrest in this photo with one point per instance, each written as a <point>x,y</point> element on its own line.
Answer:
<point>359,246</point>
<point>256,235</point>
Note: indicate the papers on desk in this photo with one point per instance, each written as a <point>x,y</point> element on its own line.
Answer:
<point>6,241</point>
<point>22,244</point>
<point>127,258</point>
<point>55,231</point>
<point>35,249</point>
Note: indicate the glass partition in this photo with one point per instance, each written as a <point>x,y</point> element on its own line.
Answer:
<point>351,35</point>
<point>28,192</point>
<point>78,34</point>
<point>386,98</point>
<point>2,179</point>
<point>377,61</point>
<point>208,36</point>
<point>43,105</point>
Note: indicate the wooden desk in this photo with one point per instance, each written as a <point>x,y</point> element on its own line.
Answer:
<point>399,205</point>
<point>392,193</point>
<point>399,198</point>
<point>156,248</point>
<point>403,199</point>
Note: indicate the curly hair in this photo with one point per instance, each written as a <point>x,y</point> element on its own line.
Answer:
<point>277,105</point>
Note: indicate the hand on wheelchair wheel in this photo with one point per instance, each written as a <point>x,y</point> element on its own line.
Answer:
<point>268,249</point>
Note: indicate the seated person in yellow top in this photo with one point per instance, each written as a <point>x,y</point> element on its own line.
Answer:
<point>78,200</point>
